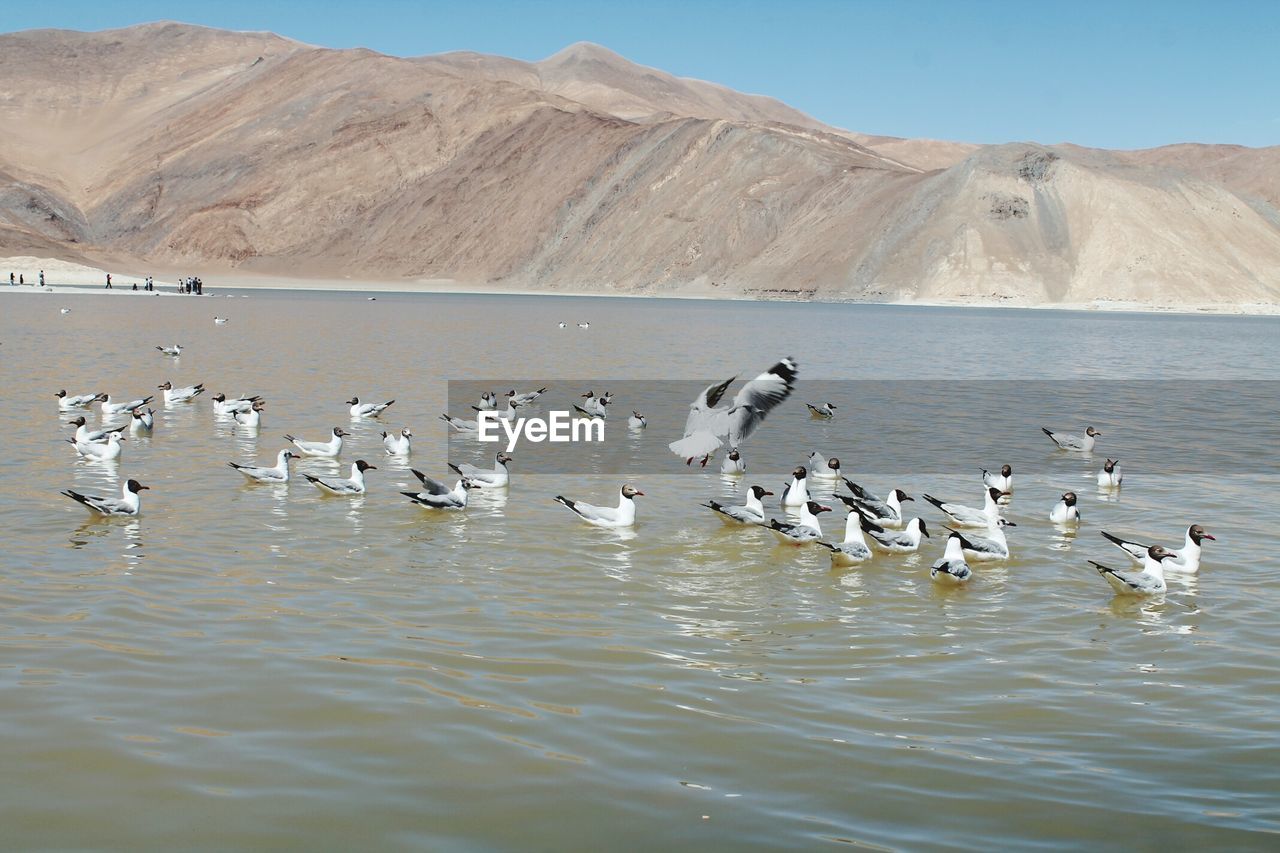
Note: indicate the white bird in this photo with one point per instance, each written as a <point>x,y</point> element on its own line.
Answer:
<point>751,512</point>
<point>84,435</point>
<point>79,401</point>
<point>142,421</point>
<point>488,402</point>
<point>339,487</point>
<point>707,426</point>
<point>637,421</point>
<point>459,425</point>
<point>224,406</point>
<point>1148,581</point>
<point>507,414</point>
<point>251,419</point>
<point>329,449</point>
<point>437,495</point>
<point>733,464</point>
<point>993,546</point>
<point>367,410</point>
<point>261,474</point>
<point>108,451</point>
<point>584,325</point>
<point>527,397</point>
<point>822,411</point>
<point>497,477</point>
<point>796,493</point>
<point>1110,476</point>
<point>823,469</point>
<point>397,445</point>
<point>594,406</point>
<point>128,503</point>
<point>623,515</point>
<point>854,549</point>
<point>1002,481</point>
<point>1065,510</point>
<point>1186,559</point>
<point>952,569</point>
<point>886,512</point>
<point>806,532</point>
<point>906,541</point>
<point>1073,442</point>
<point>564,325</point>
<point>180,395</point>
<point>175,350</point>
<point>64,310</point>
<point>220,320</point>
<point>110,409</point>
<point>965,516</point>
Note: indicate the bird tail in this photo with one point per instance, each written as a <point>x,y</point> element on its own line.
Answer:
<point>1114,540</point>
<point>455,469</point>
<point>413,496</point>
<point>311,478</point>
<point>76,496</point>
<point>388,403</point>
<point>1047,432</point>
<point>288,437</point>
<point>235,466</point>
<point>931,499</point>
<point>1103,570</point>
<point>964,543</point>
<point>570,504</point>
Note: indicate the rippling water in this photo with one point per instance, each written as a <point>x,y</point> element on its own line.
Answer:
<point>257,667</point>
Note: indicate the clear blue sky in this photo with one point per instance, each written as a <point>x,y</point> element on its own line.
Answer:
<point>1116,75</point>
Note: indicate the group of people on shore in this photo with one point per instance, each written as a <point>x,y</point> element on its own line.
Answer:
<point>188,284</point>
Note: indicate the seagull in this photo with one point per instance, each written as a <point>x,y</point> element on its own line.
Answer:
<point>459,425</point>
<point>128,504</point>
<point>488,402</point>
<point>221,321</point>
<point>584,325</point>
<point>397,445</point>
<point>1002,481</point>
<point>367,410</point>
<point>527,397</point>
<point>595,406</point>
<point>964,516</point>
<point>1065,511</point>
<point>623,515</point>
<point>252,418</point>
<point>796,493</point>
<point>564,325</point>
<point>64,310</point>
<point>275,476</point>
<point>84,435</point>
<point>952,568</point>
<point>707,427</point>
<point>80,401</point>
<point>179,395</point>
<point>110,409</point>
<point>223,406</point>
<point>1148,581</point>
<point>142,421</point>
<point>637,421</point>
<point>905,542</point>
<point>175,350</point>
<point>822,411</point>
<point>437,495</point>
<point>329,449</point>
<point>993,546</point>
<point>354,485</point>
<point>1073,442</point>
<point>496,478</point>
<point>751,512</point>
<point>807,532</point>
<point>1110,477</point>
<point>108,451</point>
<point>886,512</point>
<point>854,549</point>
<point>1186,559</point>
<point>507,414</point>
<point>823,469</point>
<point>733,464</point>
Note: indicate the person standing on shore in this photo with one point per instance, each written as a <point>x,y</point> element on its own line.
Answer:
<point>42,278</point>
<point>108,281</point>
<point>22,278</point>
<point>11,279</point>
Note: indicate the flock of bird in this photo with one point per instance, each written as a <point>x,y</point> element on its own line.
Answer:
<point>873,524</point>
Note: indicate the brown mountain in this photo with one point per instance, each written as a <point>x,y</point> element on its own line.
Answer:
<point>206,149</point>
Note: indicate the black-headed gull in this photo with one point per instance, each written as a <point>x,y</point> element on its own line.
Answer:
<point>496,477</point>
<point>1110,477</point>
<point>221,321</point>
<point>886,512</point>
<point>436,495</point>
<point>142,421</point>
<point>623,515</point>
<point>367,410</point>
<point>84,435</point>
<point>750,512</point>
<point>637,421</point>
<point>906,541</point>
<point>110,409</point>
<point>459,425</point>
<point>68,402</point>
<point>127,504</point>
<point>398,445</point>
<point>224,406</point>
<point>854,549</point>
<point>507,414</point>
<point>951,569</point>
<point>594,407</point>
<point>175,350</point>
<point>328,449</point>
<point>1066,441</point>
<point>108,451</point>
<point>822,411</point>
<point>966,516</point>
<point>733,464</point>
<point>707,426</point>
<point>261,474</point>
<point>179,395</point>
<point>1148,581</point>
<point>251,419</point>
<point>821,468</point>
<point>808,531</point>
<point>340,487</point>
<point>993,546</point>
<point>796,493</point>
<point>488,402</point>
<point>1186,559</point>
<point>527,397</point>
<point>1002,480</point>
<point>1065,510</point>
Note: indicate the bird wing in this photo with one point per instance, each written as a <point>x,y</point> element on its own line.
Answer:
<point>433,487</point>
<point>759,397</point>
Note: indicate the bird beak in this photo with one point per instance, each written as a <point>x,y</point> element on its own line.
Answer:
<point>140,488</point>
<point>1207,536</point>
<point>1010,524</point>
<point>908,498</point>
<point>639,494</point>
<point>768,493</point>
